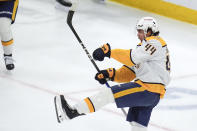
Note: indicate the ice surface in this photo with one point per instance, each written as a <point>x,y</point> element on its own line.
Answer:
<point>50,61</point>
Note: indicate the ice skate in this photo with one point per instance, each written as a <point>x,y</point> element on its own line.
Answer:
<point>9,62</point>
<point>63,110</point>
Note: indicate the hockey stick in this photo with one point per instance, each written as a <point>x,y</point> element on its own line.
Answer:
<point>69,22</point>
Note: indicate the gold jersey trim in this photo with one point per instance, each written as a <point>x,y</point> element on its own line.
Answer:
<point>158,38</point>
<point>153,87</point>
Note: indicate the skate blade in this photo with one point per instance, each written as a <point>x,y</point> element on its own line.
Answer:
<point>55,99</point>
<point>61,115</point>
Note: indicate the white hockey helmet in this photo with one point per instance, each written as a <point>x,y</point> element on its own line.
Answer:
<point>146,23</point>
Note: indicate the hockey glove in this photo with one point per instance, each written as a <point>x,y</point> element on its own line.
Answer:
<point>100,53</point>
<point>105,75</point>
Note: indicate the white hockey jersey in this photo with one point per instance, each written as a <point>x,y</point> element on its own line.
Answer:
<point>151,59</point>
<point>148,65</point>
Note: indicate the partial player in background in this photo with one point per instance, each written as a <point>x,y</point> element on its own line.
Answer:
<point>63,4</point>
<point>8,10</point>
<point>148,65</point>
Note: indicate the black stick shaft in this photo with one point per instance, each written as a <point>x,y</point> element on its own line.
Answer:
<point>69,22</point>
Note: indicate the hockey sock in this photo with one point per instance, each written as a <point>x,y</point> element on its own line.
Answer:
<point>95,102</point>
<point>6,35</point>
<point>7,48</point>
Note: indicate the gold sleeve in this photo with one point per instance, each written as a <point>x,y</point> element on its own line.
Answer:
<point>123,56</point>
<point>124,75</point>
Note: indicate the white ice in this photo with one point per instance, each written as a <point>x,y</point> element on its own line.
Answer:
<point>50,61</point>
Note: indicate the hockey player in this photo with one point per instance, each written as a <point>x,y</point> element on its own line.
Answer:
<point>148,65</point>
<point>8,10</point>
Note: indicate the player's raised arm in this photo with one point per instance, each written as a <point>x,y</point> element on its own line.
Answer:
<point>121,55</point>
